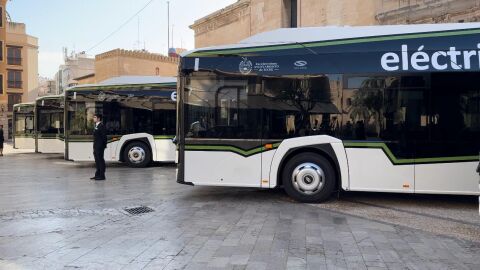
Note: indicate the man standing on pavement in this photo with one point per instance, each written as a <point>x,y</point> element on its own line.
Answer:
<point>2,139</point>
<point>99,145</point>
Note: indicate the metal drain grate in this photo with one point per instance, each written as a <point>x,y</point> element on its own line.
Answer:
<point>138,210</point>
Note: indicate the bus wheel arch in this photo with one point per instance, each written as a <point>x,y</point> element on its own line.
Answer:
<point>140,148</point>
<point>318,154</point>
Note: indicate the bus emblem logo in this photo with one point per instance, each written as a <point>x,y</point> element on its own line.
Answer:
<point>245,66</point>
<point>101,96</point>
<point>173,96</point>
<point>300,63</point>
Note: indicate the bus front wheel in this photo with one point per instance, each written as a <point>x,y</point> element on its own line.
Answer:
<point>137,154</point>
<point>309,178</point>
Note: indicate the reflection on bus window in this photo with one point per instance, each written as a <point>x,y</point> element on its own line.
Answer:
<point>425,115</point>
<point>239,109</point>
<point>122,114</point>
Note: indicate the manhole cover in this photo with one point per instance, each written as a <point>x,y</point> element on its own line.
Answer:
<point>138,210</point>
<point>339,220</point>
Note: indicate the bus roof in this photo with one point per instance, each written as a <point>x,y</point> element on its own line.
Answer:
<point>291,36</point>
<point>129,80</point>
<point>419,48</point>
<point>139,80</point>
<point>24,104</point>
<point>51,97</point>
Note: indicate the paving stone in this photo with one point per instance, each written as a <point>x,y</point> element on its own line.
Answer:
<point>53,217</point>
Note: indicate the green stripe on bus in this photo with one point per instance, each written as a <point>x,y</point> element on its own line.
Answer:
<point>230,148</point>
<point>87,141</point>
<point>46,136</point>
<point>116,138</point>
<point>398,161</point>
<point>162,137</point>
<point>334,42</point>
<point>52,138</point>
<point>24,136</point>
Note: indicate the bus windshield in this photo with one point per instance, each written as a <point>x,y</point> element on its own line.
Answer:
<point>24,120</point>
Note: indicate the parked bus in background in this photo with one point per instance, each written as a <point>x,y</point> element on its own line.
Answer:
<point>315,110</point>
<point>139,114</point>
<point>49,112</point>
<point>24,126</point>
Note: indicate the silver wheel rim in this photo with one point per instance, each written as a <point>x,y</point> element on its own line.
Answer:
<point>308,178</point>
<point>136,155</point>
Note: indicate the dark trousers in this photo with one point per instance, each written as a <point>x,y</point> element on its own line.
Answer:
<point>99,162</point>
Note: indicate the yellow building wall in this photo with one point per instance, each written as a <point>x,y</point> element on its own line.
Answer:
<point>16,36</point>
<point>249,17</point>
<point>337,12</point>
<point>133,63</point>
<point>87,80</point>
<point>224,26</point>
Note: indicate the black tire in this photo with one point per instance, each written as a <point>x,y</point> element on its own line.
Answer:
<point>313,162</point>
<point>137,155</point>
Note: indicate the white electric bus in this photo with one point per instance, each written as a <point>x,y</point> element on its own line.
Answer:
<point>49,115</point>
<point>315,110</point>
<point>24,126</point>
<point>139,114</point>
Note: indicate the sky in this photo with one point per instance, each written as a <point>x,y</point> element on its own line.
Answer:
<point>80,25</point>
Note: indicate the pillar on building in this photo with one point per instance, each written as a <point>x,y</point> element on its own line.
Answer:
<point>3,68</point>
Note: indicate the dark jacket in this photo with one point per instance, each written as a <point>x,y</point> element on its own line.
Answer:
<point>1,136</point>
<point>100,137</point>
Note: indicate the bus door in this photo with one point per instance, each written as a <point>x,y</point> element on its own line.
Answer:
<point>221,123</point>
<point>446,154</point>
<point>386,117</point>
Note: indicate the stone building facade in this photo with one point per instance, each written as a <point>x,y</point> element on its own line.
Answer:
<point>249,17</point>
<point>18,68</point>
<point>121,62</point>
<point>3,69</point>
<point>22,63</point>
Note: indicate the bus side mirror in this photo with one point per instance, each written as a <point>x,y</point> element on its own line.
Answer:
<point>174,140</point>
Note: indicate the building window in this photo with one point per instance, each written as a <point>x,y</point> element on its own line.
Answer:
<point>14,78</point>
<point>14,55</point>
<point>13,99</point>
<point>157,71</point>
<point>290,13</point>
<point>1,16</point>
<point>10,128</point>
<point>1,84</point>
<point>293,13</point>
<point>1,50</point>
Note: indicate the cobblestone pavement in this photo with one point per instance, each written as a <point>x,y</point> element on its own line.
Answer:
<point>455,216</point>
<point>53,217</point>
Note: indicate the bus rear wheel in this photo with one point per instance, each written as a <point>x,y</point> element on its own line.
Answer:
<point>309,178</point>
<point>137,154</point>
